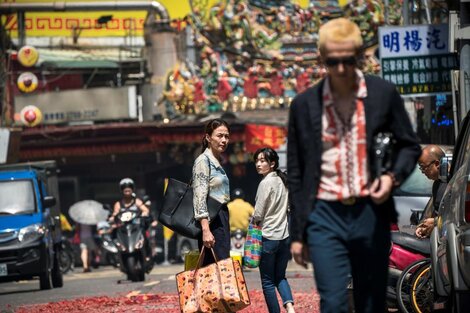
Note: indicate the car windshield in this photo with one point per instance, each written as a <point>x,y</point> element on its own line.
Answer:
<point>16,197</point>
<point>417,184</point>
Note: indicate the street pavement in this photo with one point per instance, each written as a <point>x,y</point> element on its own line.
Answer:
<point>107,287</point>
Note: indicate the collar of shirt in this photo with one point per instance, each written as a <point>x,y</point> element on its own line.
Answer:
<point>271,174</point>
<point>361,91</point>
<point>212,158</point>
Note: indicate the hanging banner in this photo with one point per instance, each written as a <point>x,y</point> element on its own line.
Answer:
<point>261,136</point>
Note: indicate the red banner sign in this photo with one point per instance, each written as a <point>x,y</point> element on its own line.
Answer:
<point>261,136</point>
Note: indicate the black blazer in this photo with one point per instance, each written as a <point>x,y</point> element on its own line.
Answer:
<point>384,111</point>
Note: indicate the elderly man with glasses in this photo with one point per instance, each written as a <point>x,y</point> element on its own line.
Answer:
<point>429,163</point>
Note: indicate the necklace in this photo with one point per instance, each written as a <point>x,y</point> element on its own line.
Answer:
<point>344,109</point>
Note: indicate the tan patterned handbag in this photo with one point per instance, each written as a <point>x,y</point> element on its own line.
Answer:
<point>218,287</point>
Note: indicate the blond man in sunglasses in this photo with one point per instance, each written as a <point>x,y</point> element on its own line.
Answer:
<point>342,209</point>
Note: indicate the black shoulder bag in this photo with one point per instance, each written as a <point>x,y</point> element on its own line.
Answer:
<point>178,211</point>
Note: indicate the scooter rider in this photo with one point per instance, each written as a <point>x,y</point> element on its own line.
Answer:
<point>129,200</point>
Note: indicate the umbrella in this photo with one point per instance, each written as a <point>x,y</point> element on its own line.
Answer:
<point>88,212</point>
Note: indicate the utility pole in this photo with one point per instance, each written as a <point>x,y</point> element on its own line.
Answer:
<point>3,74</point>
<point>464,35</point>
<point>459,42</point>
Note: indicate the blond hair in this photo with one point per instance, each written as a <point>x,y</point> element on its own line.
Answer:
<point>339,30</point>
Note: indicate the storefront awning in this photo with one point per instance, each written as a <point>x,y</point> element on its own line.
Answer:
<point>255,129</point>
<point>85,58</point>
<point>53,142</point>
<point>79,64</point>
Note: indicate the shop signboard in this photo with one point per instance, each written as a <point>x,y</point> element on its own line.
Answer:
<point>416,59</point>
<point>76,106</point>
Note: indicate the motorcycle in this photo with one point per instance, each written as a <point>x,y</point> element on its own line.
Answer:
<point>134,257</point>
<point>237,240</point>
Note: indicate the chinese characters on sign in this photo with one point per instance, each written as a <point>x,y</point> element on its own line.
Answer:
<point>420,75</point>
<point>416,59</point>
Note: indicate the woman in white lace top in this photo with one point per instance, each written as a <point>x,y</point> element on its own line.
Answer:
<point>210,179</point>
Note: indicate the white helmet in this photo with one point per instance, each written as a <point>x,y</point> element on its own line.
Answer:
<point>126,182</point>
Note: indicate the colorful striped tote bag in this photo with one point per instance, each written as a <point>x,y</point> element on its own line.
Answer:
<point>253,246</point>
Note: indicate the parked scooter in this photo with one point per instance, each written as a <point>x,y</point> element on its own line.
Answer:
<point>106,242</point>
<point>134,256</point>
<point>66,256</point>
<point>405,249</point>
<point>237,240</point>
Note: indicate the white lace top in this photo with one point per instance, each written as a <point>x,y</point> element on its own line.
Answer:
<point>208,177</point>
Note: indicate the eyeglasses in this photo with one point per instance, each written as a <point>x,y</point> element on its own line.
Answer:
<point>423,167</point>
<point>350,61</point>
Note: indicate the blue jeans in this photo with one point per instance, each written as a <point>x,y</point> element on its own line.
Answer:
<point>272,269</point>
<point>345,240</point>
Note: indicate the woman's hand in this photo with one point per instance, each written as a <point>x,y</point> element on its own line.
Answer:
<point>208,240</point>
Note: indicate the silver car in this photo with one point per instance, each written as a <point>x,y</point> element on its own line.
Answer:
<point>450,239</point>
<point>411,198</point>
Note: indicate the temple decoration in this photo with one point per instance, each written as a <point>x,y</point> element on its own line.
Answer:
<point>260,54</point>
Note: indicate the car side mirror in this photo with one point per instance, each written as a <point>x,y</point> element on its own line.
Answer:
<point>48,201</point>
<point>444,168</point>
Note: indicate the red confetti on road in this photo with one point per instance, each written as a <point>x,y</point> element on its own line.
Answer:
<point>168,303</point>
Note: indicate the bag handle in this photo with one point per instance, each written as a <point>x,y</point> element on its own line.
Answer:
<point>180,199</point>
<point>201,257</point>
<point>189,186</point>
<point>209,165</point>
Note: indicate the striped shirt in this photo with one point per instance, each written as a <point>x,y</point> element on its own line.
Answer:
<point>344,169</point>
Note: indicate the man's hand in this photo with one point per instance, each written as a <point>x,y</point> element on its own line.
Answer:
<point>381,189</point>
<point>424,229</point>
<point>299,252</point>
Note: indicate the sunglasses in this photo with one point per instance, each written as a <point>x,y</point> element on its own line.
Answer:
<point>331,62</point>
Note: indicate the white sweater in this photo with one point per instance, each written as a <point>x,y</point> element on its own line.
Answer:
<point>271,207</point>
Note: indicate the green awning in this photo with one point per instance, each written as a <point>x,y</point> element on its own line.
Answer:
<point>78,64</point>
<point>109,58</point>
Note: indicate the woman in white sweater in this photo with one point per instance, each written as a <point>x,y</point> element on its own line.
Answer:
<point>271,212</point>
